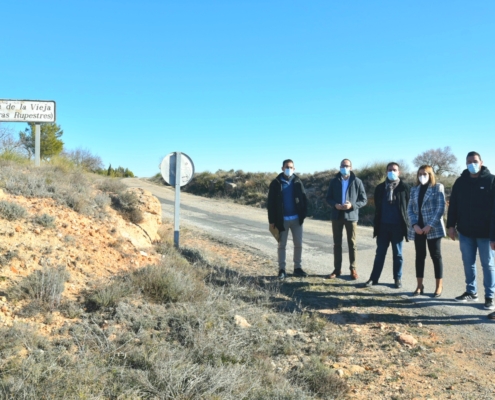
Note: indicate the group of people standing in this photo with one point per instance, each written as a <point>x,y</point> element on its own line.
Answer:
<point>401,213</point>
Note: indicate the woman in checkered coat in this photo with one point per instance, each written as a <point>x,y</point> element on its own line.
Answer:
<point>425,210</point>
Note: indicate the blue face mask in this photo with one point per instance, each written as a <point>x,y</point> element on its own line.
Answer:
<point>474,168</point>
<point>288,172</point>
<point>392,176</point>
<point>345,171</point>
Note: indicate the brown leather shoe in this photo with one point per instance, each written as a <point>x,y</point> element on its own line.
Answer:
<point>354,274</point>
<point>334,274</point>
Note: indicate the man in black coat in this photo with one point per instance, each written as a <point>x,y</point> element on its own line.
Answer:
<point>470,209</point>
<point>390,223</point>
<point>287,208</point>
<point>346,195</point>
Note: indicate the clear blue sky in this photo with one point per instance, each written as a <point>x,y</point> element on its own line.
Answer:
<point>245,84</point>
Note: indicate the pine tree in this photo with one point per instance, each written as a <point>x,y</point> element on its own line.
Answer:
<point>50,142</point>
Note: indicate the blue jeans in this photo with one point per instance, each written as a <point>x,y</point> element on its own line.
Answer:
<point>389,234</point>
<point>469,246</point>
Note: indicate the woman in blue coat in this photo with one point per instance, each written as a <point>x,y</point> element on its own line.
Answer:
<point>425,211</point>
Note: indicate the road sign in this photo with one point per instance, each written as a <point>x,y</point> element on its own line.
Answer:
<point>168,169</point>
<point>174,165</point>
<point>27,111</point>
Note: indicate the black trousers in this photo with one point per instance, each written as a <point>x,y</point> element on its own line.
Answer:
<point>434,247</point>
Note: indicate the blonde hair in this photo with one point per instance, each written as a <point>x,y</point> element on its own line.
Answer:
<point>429,170</point>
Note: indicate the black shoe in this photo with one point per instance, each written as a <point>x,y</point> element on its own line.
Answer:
<point>419,291</point>
<point>398,283</point>
<point>300,273</point>
<point>467,297</point>
<point>282,275</point>
<point>489,304</point>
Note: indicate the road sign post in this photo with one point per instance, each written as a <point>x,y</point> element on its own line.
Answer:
<point>177,199</point>
<point>37,145</point>
<point>177,170</point>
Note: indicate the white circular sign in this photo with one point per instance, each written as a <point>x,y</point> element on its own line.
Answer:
<point>168,168</point>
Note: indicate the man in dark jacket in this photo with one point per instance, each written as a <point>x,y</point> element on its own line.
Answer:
<point>346,195</point>
<point>390,223</point>
<point>470,208</point>
<point>492,243</point>
<point>287,209</point>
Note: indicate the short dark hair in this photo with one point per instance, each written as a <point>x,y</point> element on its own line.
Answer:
<point>393,163</point>
<point>287,161</point>
<point>346,159</point>
<point>474,153</point>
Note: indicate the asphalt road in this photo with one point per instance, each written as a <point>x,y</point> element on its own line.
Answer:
<point>249,226</point>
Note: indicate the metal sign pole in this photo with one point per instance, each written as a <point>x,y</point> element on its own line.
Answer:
<point>177,170</point>
<point>177,198</point>
<point>37,141</point>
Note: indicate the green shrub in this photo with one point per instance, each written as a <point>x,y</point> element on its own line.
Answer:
<point>127,205</point>
<point>44,287</point>
<point>109,295</point>
<point>45,220</point>
<point>321,380</point>
<point>8,256</point>
<point>111,186</point>
<point>12,211</point>
<point>168,283</point>
<point>72,189</point>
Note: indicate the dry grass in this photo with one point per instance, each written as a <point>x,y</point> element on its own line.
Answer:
<point>164,331</point>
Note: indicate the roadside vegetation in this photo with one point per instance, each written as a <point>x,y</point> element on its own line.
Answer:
<point>252,188</point>
<point>184,328</point>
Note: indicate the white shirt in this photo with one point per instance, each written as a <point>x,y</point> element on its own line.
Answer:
<point>345,185</point>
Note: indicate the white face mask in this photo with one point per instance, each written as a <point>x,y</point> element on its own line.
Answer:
<point>288,172</point>
<point>423,179</point>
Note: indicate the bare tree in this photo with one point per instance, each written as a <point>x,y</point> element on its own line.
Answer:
<point>7,141</point>
<point>441,160</point>
<point>85,159</point>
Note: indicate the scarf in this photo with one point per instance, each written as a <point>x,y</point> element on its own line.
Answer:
<point>389,187</point>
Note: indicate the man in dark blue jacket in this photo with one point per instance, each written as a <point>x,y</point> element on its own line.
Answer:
<point>390,223</point>
<point>492,244</point>
<point>470,208</point>
<point>346,195</point>
<point>287,208</point>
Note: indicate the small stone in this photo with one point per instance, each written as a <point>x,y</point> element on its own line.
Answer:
<point>340,372</point>
<point>420,325</point>
<point>356,369</point>
<point>37,231</point>
<point>18,229</point>
<point>143,253</point>
<point>241,322</point>
<point>407,339</point>
<point>291,332</point>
